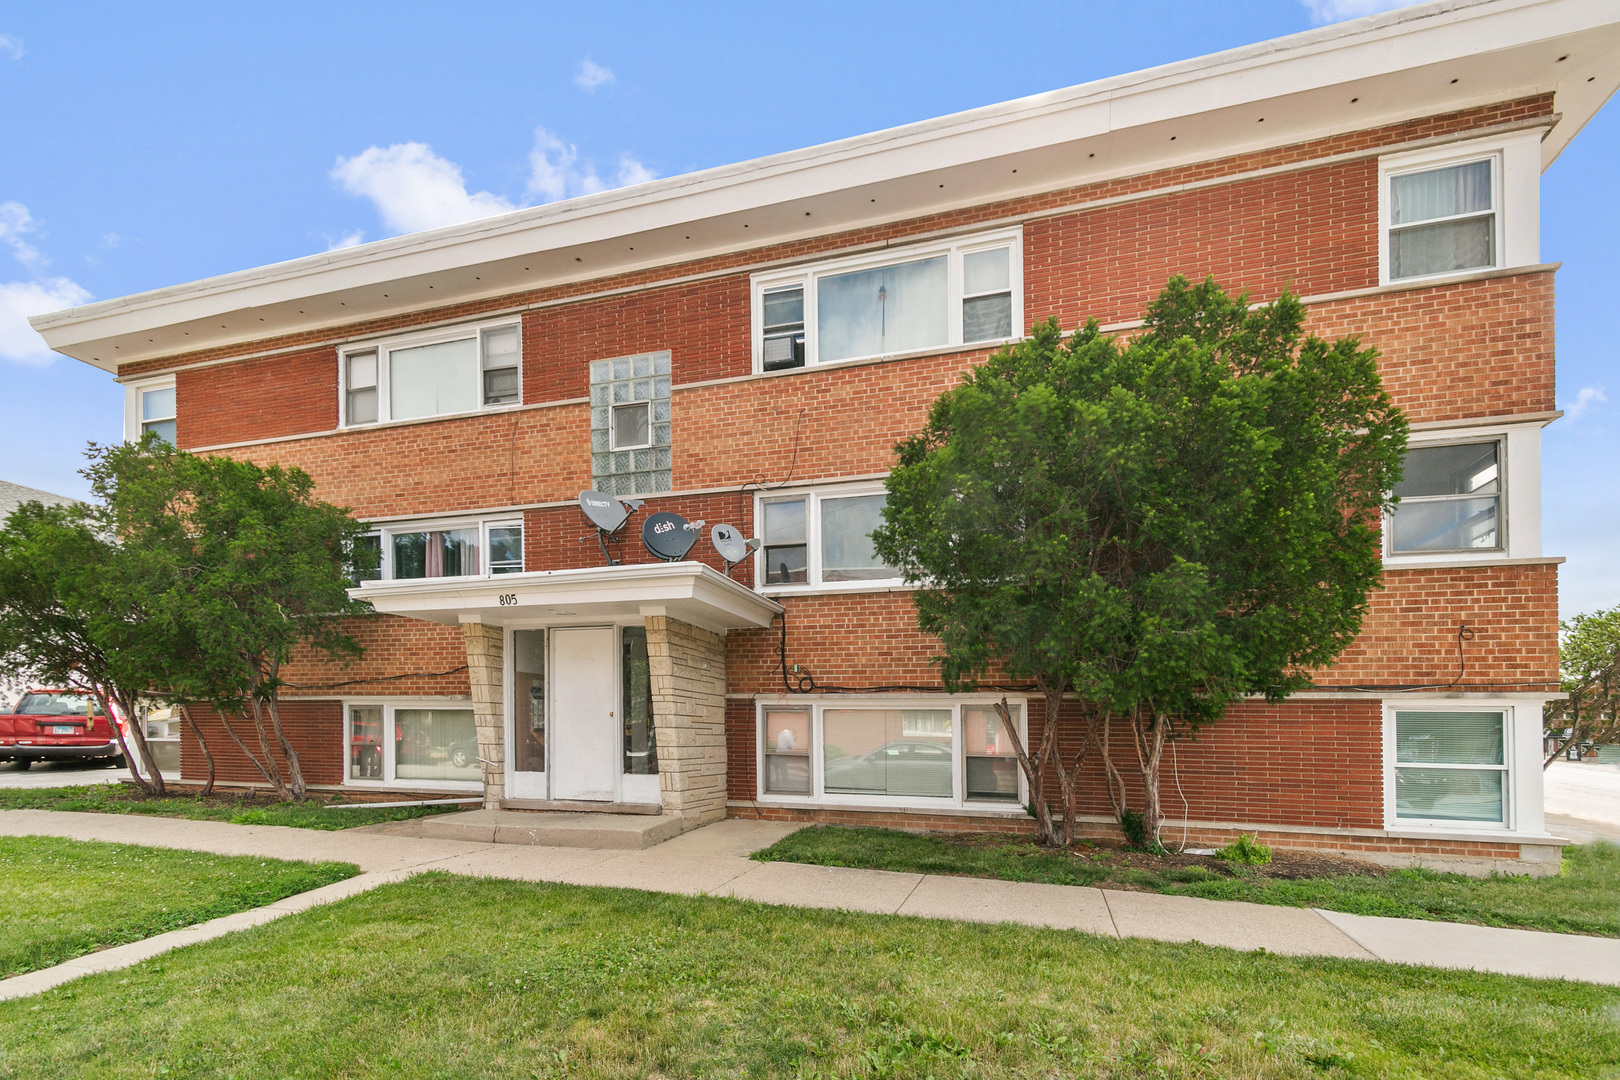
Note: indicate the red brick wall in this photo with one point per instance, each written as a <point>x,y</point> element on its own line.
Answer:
<point>394,647</point>
<point>315,728</point>
<point>257,399</point>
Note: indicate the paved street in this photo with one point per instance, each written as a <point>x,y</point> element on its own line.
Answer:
<point>46,774</point>
<point>1583,801</point>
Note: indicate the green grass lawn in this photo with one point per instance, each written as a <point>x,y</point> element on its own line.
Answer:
<point>64,898</point>
<point>445,977</point>
<point>253,810</point>
<point>1583,899</point>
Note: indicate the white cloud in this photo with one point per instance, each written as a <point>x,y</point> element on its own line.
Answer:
<point>350,239</point>
<point>591,75</point>
<point>414,188</point>
<point>111,240</point>
<point>1331,11</point>
<point>11,48</point>
<point>20,299</point>
<point>555,171</point>
<point>1584,400</point>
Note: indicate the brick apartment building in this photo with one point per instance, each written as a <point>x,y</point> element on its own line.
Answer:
<point>746,345</point>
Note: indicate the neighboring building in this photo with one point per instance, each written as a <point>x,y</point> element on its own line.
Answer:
<point>14,495</point>
<point>747,344</point>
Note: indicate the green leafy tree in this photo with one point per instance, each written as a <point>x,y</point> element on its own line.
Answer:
<point>240,564</point>
<point>1589,669</point>
<point>60,623</point>
<point>1156,527</point>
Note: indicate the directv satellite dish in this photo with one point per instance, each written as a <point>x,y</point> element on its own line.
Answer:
<point>608,515</point>
<point>669,536</point>
<point>604,511</point>
<point>730,544</point>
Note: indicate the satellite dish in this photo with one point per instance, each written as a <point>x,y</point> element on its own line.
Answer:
<point>669,536</point>
<point>730,544</point>
<point>604,511</point>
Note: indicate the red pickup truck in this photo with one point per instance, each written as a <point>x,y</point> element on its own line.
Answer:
<point>57,725</point>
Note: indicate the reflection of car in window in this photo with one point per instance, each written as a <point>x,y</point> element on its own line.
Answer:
<point>906,767</point>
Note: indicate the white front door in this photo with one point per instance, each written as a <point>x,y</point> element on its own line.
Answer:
<point>585,736</point>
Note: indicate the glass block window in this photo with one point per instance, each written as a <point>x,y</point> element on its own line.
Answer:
<point>643,467</point>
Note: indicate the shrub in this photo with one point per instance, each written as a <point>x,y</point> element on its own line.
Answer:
<point>1246,850</point>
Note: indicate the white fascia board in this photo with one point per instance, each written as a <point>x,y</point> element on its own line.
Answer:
<point>689,591</point>
<point>1463,32</point>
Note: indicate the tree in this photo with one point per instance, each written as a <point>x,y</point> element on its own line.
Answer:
<point>59,623</point>
<point>240,564</point>
<point>1589,669</point>
<point>1157,527</point>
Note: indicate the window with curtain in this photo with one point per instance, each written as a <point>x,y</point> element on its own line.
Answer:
<point>462,549</point>
<point>990,762</point>
<point>1442,220</point>
<point>1450,766</point>
<point>1450,499</point>
<point>786,734</point>
<point>867,752</point>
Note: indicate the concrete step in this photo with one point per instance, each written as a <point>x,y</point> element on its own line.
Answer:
<point>545,828</point>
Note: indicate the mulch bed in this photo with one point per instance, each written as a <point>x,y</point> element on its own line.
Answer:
<point>249,798</point>
<point>1285,865</point>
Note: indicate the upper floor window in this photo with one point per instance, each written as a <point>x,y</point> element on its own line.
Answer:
<point>822,538</point>
<point>448,549</point>
<point>451,371</point>
<point>1443,220</point>
<point>927,297</point>
<point>1451,499</point>
<point>157,405</point>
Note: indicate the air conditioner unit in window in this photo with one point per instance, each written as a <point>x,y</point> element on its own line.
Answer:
<point>502,386</point>
<point>784,351</point>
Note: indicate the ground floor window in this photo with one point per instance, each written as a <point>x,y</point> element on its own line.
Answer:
<point>1451,765</point>
<point>940,752</point>
<point>417,743</point>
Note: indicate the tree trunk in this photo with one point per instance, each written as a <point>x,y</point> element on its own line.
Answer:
<point>247,752</point>
<point>102,698</point>
<point>130,703</point>
<point>295,774</point>
<point>270,769</point>
<point>1034,772</point>
<point>208,755</point>
<point>1149,743</point>
<point>1111,777</point>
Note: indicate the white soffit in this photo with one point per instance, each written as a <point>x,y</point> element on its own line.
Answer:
<point>1419,61</point>
<point>688,591</point>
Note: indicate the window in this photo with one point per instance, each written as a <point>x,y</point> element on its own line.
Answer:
<point>932,297</point>
<point>822,538</point>
<point>1443,220</point>
<point>630,444</point>
<point>428,745</point>
<point>1450,499</point>
<point>1451,766</point>
<point>640,738</point>
<point>450,549</point>
<point>368,558</point>
<point>446,372</point>
<point>923,753</point>
<point>158,412</point>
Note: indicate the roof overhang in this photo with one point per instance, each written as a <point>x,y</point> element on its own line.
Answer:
<point>1418,61</point>
<point>688,591</point>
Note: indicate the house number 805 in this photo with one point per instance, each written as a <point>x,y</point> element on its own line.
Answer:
<point>508,600</point>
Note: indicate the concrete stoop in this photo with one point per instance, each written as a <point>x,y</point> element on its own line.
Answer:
<point>544,828</point>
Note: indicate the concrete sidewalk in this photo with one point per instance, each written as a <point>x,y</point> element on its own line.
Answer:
<point>714,861</point>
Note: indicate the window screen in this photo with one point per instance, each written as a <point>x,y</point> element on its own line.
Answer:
<point>1442,220</point>
<point>786,543</point>
<point>1450,766</point>
<point>1450,499</point>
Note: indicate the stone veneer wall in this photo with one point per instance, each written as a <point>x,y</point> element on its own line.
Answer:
<point>689,715</point>
<point>486,667</point>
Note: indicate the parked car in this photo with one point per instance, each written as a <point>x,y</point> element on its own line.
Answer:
<point>58,725</point>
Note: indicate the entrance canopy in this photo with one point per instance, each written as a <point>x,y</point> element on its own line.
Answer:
<point>688,591</point>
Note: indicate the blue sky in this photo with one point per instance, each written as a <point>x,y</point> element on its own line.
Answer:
<point>146,145</point>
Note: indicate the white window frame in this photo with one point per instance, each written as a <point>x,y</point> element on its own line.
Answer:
<point>385,346</point>
<point>806,277</point>
<point>1519,501</point>
<point>1515,198</point>
<point>1521,785</point>
<point>819,703</point>
<point>390,778</point>
<point>133,395</point>
<point>813,497</point>
<point>387,531</point>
